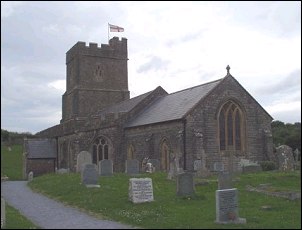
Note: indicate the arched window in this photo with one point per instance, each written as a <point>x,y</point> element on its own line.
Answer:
<point>165,155</point>
<point>130,152</point>
<point>100,150</point>
<point>231,128</point>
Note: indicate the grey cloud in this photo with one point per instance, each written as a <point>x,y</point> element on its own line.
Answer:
<point>155,63</point>
<point>289,84</point>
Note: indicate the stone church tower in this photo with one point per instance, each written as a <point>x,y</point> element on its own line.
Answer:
<point>97,77</point>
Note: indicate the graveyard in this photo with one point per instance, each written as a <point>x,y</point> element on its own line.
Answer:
<point>171,207</point>
<point>168,210</point>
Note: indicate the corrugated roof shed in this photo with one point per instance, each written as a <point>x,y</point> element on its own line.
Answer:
<point>41,148</point>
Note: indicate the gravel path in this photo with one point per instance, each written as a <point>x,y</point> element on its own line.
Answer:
<point>48,213</point>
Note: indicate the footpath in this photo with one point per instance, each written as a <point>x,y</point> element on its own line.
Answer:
<point>50,214</point>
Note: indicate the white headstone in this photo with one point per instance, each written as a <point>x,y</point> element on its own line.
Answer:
<point>83,158</point>
<point>140,190</point>
<point>30,176</point>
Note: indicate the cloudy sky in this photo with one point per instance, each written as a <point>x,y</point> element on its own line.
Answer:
<point>172,44</point>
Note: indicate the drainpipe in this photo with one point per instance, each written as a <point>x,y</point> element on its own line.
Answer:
<point>184,140</point>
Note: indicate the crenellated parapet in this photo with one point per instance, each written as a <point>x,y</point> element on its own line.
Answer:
<point>116,49</point>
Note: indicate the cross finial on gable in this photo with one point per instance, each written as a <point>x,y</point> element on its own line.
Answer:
<point>228,69</point>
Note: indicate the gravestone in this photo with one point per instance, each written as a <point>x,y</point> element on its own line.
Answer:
<point>251,168</point>
<point>218,167</point>
<point>197,165</point>
<point>185,184</point>
<point>9,148</point>
<point>297,155</point>
<point>62,171</point>
<point>30,176</point>
<point>106,167</point>
<point>227,207</point>
<point>285,158</point>
<point>140,190</point>
<point>224,180</point>
<point>83,158</point>
<point>3,220</point>
<point>155,163</point>
<point>132,167</point>
<point>89,176</point>
<point>149,167</point>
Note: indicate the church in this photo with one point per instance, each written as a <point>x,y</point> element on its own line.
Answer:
<point>209,122</point>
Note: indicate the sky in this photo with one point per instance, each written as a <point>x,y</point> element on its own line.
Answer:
<point>175,45</point>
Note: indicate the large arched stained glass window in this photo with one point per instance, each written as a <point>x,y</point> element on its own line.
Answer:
<point>231,128</point>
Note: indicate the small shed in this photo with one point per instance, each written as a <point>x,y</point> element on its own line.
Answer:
<point>40,156</point>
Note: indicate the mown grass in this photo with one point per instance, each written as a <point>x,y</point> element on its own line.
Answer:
<point>15,220</point>
<point>11,162</point>
<point>170,211</point>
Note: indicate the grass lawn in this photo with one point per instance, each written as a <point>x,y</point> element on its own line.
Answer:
<point>14,220</point>
<point>11,162</point>
<point>168,210</point>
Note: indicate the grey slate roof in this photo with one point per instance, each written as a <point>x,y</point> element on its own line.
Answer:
<point>173,106</point>
<point>124,106</point>
<point>41,148</point>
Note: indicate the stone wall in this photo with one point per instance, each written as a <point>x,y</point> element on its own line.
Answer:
<point>147,140</point>
<point>204,118</point>
<point>40,166</point>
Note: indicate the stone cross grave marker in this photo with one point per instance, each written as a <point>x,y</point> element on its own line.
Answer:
<point>185,184</point>
<point>140,190</point>
<point>106,167</point>
<point>83,158</point>
<point>90,176</point>
<point>132,167</point>
<point>30,176</point>
<point>224,180</point>
<point>227,207</point>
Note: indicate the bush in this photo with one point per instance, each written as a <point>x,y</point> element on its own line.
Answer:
<point>268,165</point>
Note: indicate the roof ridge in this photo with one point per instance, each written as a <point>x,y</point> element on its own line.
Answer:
<point>196,86</point>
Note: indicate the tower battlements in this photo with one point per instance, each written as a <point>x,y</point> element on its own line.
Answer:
<point>116,49</point>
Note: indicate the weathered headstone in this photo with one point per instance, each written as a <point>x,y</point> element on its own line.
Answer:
<point>155,163</point>
<point>62,171</point>
<point>140,190</point>
<point>224,180</point>
<point>83,158</point>
<point>9,148</point>
<point>3,219</point>
<point>218,167</point>
<point>227,207</point>
<point>185,184</point>
<point>30,176</point>
<point>285,158</point>
<point>106,167</point>
<point>197,165</point>
<point>251,168</point>
<point>132,167</point>
<point>89,175</point>
<point>297,155</point>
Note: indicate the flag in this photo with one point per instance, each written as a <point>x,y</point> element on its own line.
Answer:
<point>114,28</point>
